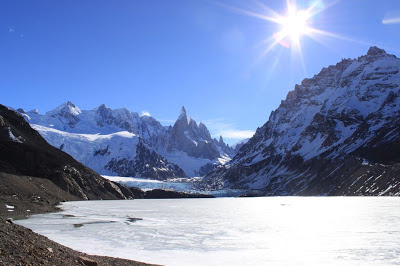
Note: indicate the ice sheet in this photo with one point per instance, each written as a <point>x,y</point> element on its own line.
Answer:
<point>232,231</point>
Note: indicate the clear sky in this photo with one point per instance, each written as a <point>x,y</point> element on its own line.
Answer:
<point>216,58</point>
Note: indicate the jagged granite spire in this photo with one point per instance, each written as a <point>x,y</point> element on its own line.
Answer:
<point>193,125</point>
<point>204,133</point>
<point>188,137</point>
<point>183,114</point>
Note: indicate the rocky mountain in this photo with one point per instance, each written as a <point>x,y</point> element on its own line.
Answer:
<point>337,133</point>
<point>195,140</point>
<point>236,147</point>
<point>24,152</point>
<point>121,142</point>
<point>190,145</point>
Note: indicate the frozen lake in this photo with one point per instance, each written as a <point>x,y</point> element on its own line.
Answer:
<point>232,231</point>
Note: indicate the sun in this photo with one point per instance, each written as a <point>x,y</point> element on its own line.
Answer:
<point>295,25</point>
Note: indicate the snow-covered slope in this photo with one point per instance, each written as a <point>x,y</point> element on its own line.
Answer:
<point>319,137</point>
<point>107,140</point>
<point>122,153</point>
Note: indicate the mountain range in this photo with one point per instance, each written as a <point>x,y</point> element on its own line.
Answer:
<point>337,133</point>
<point>124,143</point>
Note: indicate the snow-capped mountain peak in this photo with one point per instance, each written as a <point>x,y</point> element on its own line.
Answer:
<point>34,111</point>
<point>67,113</point>
<point>66,108</point>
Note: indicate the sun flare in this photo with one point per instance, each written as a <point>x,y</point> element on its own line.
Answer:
<point>295,25</point>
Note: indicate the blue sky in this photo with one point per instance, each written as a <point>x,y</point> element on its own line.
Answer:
<point>156,55</point>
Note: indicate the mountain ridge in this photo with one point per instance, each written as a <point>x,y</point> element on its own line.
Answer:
<point>337,120</point>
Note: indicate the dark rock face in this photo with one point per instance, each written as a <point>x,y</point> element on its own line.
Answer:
<point>335,134</point>
<point>101,152</point>
<point>206,168</point>
<point>376,51</point>
<point>147,163</point>
<point>24,152</point>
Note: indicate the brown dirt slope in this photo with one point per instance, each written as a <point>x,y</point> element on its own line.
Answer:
<point>29,195</point>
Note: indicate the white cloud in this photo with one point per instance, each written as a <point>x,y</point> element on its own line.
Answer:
<point>237,134</point>
<point>145,113</point>
<point>218,127</point>
<point>392,17</point>
<point>391,20</point>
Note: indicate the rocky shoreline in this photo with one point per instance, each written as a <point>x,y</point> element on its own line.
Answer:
<point>21,196</point>
<point>22,246</point>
